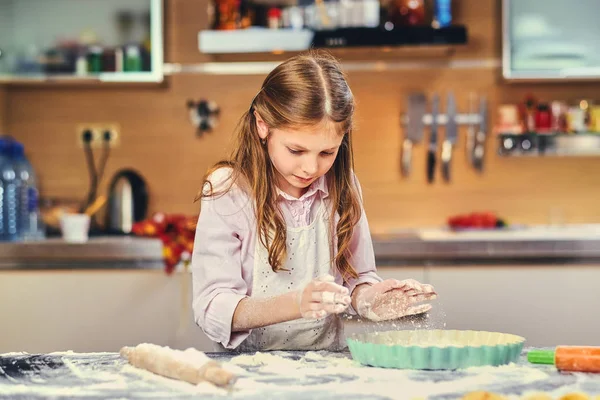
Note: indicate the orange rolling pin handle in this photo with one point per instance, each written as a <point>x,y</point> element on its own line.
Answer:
<point>577,358</point>
<point>569,358</point>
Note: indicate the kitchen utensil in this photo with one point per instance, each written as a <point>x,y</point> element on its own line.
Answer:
<point>190,365</point>
<point>127,201</point>
<point>432,150</point>
<point>470,138</point>
<point>95,174</point>
<point>434,349</point>
<point>568,358</point>
<point>450,137</point>
<point>414,129</point>
<point>95,206</point>
<point>479,150</point>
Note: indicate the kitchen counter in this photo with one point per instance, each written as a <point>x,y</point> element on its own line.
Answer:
<point>576,243</point>
<point>280,375</point>
<point>109,252</point>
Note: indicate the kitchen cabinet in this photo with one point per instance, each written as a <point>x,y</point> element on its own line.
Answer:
<point>547,304</point>
<point>94,310</point>
<point>97,41</point>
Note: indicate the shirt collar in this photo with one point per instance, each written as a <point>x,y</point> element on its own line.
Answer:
<point>320,185</point>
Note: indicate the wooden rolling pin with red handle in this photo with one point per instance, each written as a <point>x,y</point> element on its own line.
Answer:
<point>191,365</point>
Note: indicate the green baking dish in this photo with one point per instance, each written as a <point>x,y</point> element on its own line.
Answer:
<point>434,349</point>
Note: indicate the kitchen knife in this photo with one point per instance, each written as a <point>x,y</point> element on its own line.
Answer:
<point>479,149</point>
<point>450,137</point>
<point>414,129</point>
<point>432,150</point>
<point>471,128</point>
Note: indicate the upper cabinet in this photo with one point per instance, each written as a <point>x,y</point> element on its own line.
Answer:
<point>261,26</point>
<point>550,40</point>
<point>80,41</point>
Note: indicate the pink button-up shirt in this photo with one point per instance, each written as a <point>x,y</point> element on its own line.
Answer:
<point>223,257</point>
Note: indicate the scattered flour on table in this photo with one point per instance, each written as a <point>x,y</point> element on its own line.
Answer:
<point>368,380</point>
<point>180,386</point>
<point>13,354</point>
<point>73,353</point>
<point>96,380</point>
<point>281,363</point>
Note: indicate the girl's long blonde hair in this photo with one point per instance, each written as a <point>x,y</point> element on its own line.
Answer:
<point>303,91</point>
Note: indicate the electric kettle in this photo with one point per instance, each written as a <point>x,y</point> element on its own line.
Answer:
<point>127,201</point>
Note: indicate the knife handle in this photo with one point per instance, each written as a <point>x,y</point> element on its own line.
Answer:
<point>470,143</point>
<point>446,171</point>
<point>478,151</point>
<point>430,165</point>
<point>478,157</point>
<point>406,157</point>
<point>446,159</point>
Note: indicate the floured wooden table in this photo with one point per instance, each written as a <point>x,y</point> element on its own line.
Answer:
<point>278,375</point>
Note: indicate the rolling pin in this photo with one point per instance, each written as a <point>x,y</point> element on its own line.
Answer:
<point>190,366</point>
<point>569,358</point>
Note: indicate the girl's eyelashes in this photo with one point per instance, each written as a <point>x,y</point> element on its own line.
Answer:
<point>298,152</point>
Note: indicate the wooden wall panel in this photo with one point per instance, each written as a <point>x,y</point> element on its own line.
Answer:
<point>158,140</point>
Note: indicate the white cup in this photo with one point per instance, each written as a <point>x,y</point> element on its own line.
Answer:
<point>75,227</point>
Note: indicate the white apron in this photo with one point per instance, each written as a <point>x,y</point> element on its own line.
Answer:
<point>308,257</point>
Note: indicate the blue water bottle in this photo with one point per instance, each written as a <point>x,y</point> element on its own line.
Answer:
<point>10,202</point>
<point>29,218</point>
<point>4,159</point>
<point>442,13</point>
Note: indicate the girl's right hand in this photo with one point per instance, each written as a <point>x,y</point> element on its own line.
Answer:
<point>322,296</point>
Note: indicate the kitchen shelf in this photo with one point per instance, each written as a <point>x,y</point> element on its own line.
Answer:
<point>553,144</point>
<point>66,79</point>
<point>377,63</point>
<point>263,40</point>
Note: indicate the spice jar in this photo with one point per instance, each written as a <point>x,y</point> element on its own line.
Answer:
<point>543,118</point>
<point>407,12</point>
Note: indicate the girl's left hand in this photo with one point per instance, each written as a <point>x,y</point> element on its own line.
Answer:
<point>393,299</point>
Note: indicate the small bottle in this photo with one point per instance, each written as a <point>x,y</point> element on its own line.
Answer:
<point>442,13</point>
<point>274,18</point>
<point>543,119</point>
<point>10,199</point>
<point>569,358</point>
<point>3,161</point>
<point>81,65</point>
<point>133,59</point>
<point>29,217</point>
<point>94,59</point>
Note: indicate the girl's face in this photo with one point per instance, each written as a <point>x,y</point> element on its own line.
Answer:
<point>301,156</point>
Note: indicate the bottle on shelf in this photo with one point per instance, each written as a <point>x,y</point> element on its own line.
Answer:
<point>10,189</point>
<point>29,221</point>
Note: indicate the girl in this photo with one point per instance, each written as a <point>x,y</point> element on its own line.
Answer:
<point>282,244</point>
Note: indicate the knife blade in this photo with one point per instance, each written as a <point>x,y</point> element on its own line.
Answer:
<point>479,149</point>
<point>414,129</point>
<point>471,128</point>
<point>450,137</point>
<point>432,149</point>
